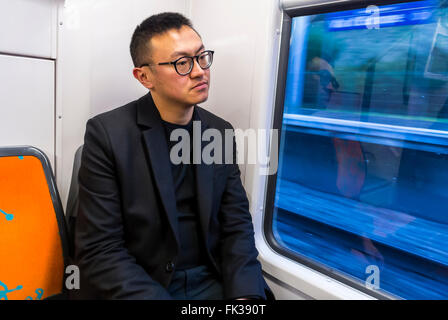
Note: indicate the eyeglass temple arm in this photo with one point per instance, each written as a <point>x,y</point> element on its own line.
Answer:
<point>162,63</point>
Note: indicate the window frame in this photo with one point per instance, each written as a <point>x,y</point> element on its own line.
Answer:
<point>320,7</point>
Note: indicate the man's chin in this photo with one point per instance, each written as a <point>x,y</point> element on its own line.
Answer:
<point>201,100</point>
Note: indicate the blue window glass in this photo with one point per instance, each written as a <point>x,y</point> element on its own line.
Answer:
<point>362,183</point>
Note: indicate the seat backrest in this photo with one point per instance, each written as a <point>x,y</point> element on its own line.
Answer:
<point>33,235</point>
<point>72,202</point>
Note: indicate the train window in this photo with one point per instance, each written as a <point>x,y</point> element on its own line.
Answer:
<point>361,188</point>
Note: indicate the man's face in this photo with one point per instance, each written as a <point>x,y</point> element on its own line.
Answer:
<point>320,82</point>
<point>167,84</point>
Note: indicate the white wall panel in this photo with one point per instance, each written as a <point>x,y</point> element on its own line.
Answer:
<point>231,28</point>
<point>94,67</point>
<point>28,27</point>
<point>27,103</point>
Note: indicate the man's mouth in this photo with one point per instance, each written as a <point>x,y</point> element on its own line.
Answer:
<point>201,85</point>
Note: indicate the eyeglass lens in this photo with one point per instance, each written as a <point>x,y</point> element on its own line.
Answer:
<point>185,65</point>
<point>326,77</point>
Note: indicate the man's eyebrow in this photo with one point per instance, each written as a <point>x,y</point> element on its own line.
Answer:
<point>183,53</point>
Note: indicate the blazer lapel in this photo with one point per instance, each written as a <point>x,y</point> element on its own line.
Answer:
<point>157,151</point>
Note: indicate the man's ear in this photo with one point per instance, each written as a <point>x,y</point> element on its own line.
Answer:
<point>144,77</point>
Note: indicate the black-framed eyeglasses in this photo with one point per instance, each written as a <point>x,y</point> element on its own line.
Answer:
<point>326,77</point>
<point>184,65</point>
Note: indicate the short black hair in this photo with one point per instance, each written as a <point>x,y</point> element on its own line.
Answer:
<point>154,25</point>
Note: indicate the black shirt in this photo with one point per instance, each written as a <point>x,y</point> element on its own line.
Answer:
<point>192,251</point>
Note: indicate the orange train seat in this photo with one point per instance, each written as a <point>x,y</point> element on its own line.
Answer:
<point>33,236</point>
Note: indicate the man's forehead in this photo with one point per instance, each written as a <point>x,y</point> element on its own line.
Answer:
<point>183,41</point>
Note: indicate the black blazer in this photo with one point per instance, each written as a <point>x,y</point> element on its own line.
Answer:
<point>126,241</point>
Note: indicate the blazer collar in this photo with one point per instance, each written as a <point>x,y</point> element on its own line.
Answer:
<point>147,113</point>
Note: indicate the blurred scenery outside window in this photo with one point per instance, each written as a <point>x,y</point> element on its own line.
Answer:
<point>363,171</point>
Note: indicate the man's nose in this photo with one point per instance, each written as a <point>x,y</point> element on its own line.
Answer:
<point>197,71</point>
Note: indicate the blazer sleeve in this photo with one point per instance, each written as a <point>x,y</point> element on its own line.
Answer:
<point>100,253</point>
<point>242,273</point>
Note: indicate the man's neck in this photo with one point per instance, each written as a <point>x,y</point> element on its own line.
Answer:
<point>172,112</point>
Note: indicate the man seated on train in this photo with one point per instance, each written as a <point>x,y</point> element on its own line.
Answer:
<point>149,228</point>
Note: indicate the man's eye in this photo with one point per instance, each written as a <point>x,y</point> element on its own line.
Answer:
<point>182,63</point>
